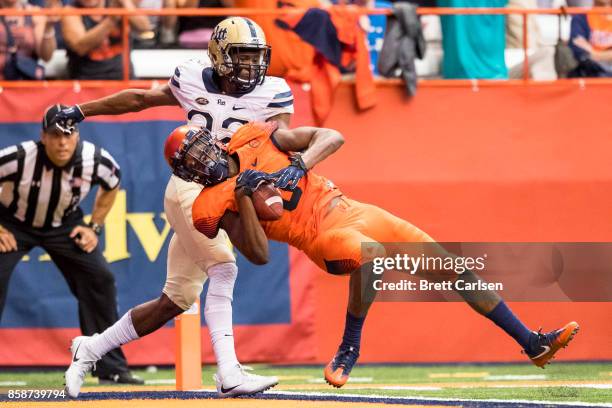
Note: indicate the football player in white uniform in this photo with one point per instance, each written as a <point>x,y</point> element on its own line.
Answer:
<point>221,95</point>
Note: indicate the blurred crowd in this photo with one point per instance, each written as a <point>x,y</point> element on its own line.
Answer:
<point>94,43</point>
<point>474,46</point>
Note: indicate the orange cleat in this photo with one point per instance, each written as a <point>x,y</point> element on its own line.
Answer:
<point>544,346</point>
<point>338,370</point>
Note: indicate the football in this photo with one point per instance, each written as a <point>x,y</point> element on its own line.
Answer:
<point>268,202</point>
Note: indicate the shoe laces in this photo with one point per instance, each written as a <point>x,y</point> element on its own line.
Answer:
<point>547,338</point>
<point>542,339</point>
<point>346,357</point>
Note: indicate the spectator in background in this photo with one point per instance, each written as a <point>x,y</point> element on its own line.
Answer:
<point>559,3</point>
<point>541,56</point>
<point>514,25</point>
<point>164,27</point>
<point>474,45</point>
<point>419,3</point>
<point>591,43</point>
<point>25,39</point>
<point>194,32</point>
<point>95,43</point>
<point>580,3</point>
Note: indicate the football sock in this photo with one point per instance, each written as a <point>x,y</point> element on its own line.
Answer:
<point>218,315</point>
<point>352,330</point>
<point>118,334</point>
<point>502,316</point>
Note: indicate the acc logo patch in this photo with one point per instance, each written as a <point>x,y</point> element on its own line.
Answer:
<point>202,101</point>
<point>254,143</point>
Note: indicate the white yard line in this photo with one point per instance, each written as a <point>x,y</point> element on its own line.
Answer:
<point>161,381</point>
<point>12,383</point>
<point>515,377</point>
<point>459,375</point>
<point>383,397</point>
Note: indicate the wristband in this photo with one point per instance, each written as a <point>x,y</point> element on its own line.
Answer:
<point>97,228</point>
<point>298,162</point>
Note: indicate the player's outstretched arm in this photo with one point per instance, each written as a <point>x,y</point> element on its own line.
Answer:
<point>129,100</point>
<point>316,144</point>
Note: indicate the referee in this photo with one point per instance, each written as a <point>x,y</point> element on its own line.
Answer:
<point>41,186</point>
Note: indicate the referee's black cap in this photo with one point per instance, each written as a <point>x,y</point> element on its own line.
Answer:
<point>49,120</point>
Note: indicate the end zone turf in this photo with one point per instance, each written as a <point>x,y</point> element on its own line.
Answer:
<point>483,385</point>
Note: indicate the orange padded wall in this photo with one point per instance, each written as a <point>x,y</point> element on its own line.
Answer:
<point>508,163</point>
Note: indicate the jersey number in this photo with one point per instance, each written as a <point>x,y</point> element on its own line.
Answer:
<point>209,119</point>
<point>292,204</point>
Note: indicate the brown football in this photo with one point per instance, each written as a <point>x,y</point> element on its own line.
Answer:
<point>268,202</point>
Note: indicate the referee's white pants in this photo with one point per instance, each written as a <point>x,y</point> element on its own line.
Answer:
<point>190,253</point>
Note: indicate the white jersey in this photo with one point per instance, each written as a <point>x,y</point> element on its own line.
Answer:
<point>206,105</point>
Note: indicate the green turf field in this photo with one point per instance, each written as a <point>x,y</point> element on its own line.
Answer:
<point>571,382</point>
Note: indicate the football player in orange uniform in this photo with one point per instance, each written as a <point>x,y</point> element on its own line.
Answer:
<point>318,219</point>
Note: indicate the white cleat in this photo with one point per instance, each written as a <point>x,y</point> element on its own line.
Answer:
<point>82,362</point>
<point>243,383</point>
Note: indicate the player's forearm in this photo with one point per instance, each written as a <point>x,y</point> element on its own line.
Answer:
<point>254,243</point>
<point>129,100</point>
<point>103,204</point>
<point>322,145</point>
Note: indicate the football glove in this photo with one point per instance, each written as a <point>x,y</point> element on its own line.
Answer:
<point>69,117</point>
<point>289,177</point>
<point>250,180</point>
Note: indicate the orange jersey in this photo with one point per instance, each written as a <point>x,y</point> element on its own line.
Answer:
<point>255,147</point>
<point>333,238</point>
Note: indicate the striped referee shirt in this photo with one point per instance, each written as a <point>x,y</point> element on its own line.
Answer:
<point>42,195</point>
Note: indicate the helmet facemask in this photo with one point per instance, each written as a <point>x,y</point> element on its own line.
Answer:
<point>245,65</point>
<point>201,159</point>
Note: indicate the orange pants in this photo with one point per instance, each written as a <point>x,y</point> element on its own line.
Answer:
<point>348,235</point>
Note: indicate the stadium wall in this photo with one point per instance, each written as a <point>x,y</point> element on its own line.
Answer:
<point>503,163</point>
<point>490,164</point>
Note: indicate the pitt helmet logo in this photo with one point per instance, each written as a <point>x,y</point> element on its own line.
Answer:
<point>220,34</point>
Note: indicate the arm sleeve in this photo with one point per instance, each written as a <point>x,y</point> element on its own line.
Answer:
<point>9,160</point>
<point>579,28</point>
<point>281,98</point>
<point>109,172</point>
